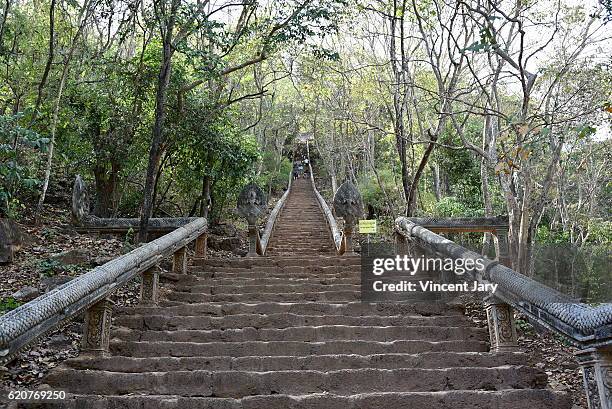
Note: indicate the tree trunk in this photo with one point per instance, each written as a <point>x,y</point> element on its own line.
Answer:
<point>435,170</point>
<point>83,17</point>
<point>205,203</point>
<point>158,138</point>
<point>484,177</point>
<point>411,201</point>
<point>7,5</point>
<point>50,55</point>
<point>106,190</point>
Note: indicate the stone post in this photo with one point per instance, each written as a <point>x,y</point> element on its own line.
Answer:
<point>251,205</point>
<point>402,246</point>
<point>179,262</point>
<point>347,236</point>
<point>201,246</point>
<point>502,331</point>
<point>96,336</point>
<point>502,248</point>
<point>150,286</point>
<point>596,367</point>
<point>348,205</point>
<point>252,241</point>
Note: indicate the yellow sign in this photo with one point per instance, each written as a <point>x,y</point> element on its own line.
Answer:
<point>367,226</point>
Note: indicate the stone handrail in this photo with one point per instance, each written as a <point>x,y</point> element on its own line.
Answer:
<point>25,324</point>
<point>265,238</point>
<point>156,224</point>
<point>483,224</point>
<point>85,222</point>
<point>584,325</point>
<point>337,235</point>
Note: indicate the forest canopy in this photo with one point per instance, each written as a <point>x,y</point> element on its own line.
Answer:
<point>435,108</point>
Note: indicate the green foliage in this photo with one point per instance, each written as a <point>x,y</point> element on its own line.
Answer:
<point>524,326</point>
<point>18,147</point>
<point>600,231</point>
<point>545,235</point>
<point>450,206</point>
<point>8,304</point>
<point>596,278</point>
<point>462,170</point>
<point>373,194</point>
<point>50,267</point>
<point>212,146</point>
<point>275,173</point>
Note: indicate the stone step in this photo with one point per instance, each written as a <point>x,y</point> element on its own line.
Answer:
<point>331,296</point>
<point>235,384</point>
<point>319,296</point>
<point>296,261</point>
<point>315,228</point>
<point>290,348</point>
<point>305,248</point>
<point>355,309</point>
<point>214,288</point>
<point>256,274</point>
<point>266,280</point>
<point>428,360</point>
<point>302,247</point>
<point>290,243</point>
<point>279,321</point>
<point>285,236</point>
<point>307,220</point>
<point>454,399</point>
<point>285,270</point>
<point>307,334</point>
<point>310,234</point>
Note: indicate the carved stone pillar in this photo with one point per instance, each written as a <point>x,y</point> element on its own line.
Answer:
<point>402,246</point>
<point>348,205</point>
<point>502,331</point>
<point>252,241</point>
<point>150,286</point>
<point>96,336</point>
<point>179,262</point>
<point>502,248</point>
<point>597,376</point>
<point>252,204</point>
<point>201,246</point>
<point>348,237</point>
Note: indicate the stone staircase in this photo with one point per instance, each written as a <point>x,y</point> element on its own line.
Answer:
<point>301,228</point>
<point>288,331</point>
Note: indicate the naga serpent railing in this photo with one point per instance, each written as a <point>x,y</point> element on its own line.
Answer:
<point>587,327</point>
<point>267,233</point>
<point>337,235</point>
<point>90,291</point>
<point>251,204</point>
<point>85,222</point>
<point>347,204</point>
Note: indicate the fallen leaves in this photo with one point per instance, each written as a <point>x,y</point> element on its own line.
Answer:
<point>546,351</point>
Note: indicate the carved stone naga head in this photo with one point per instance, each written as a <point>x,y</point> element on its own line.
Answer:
<point>251,203</point>
<point>348,203</point>
<point>80,204</point>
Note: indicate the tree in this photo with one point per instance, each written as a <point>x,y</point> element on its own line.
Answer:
<point>293,21</point>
